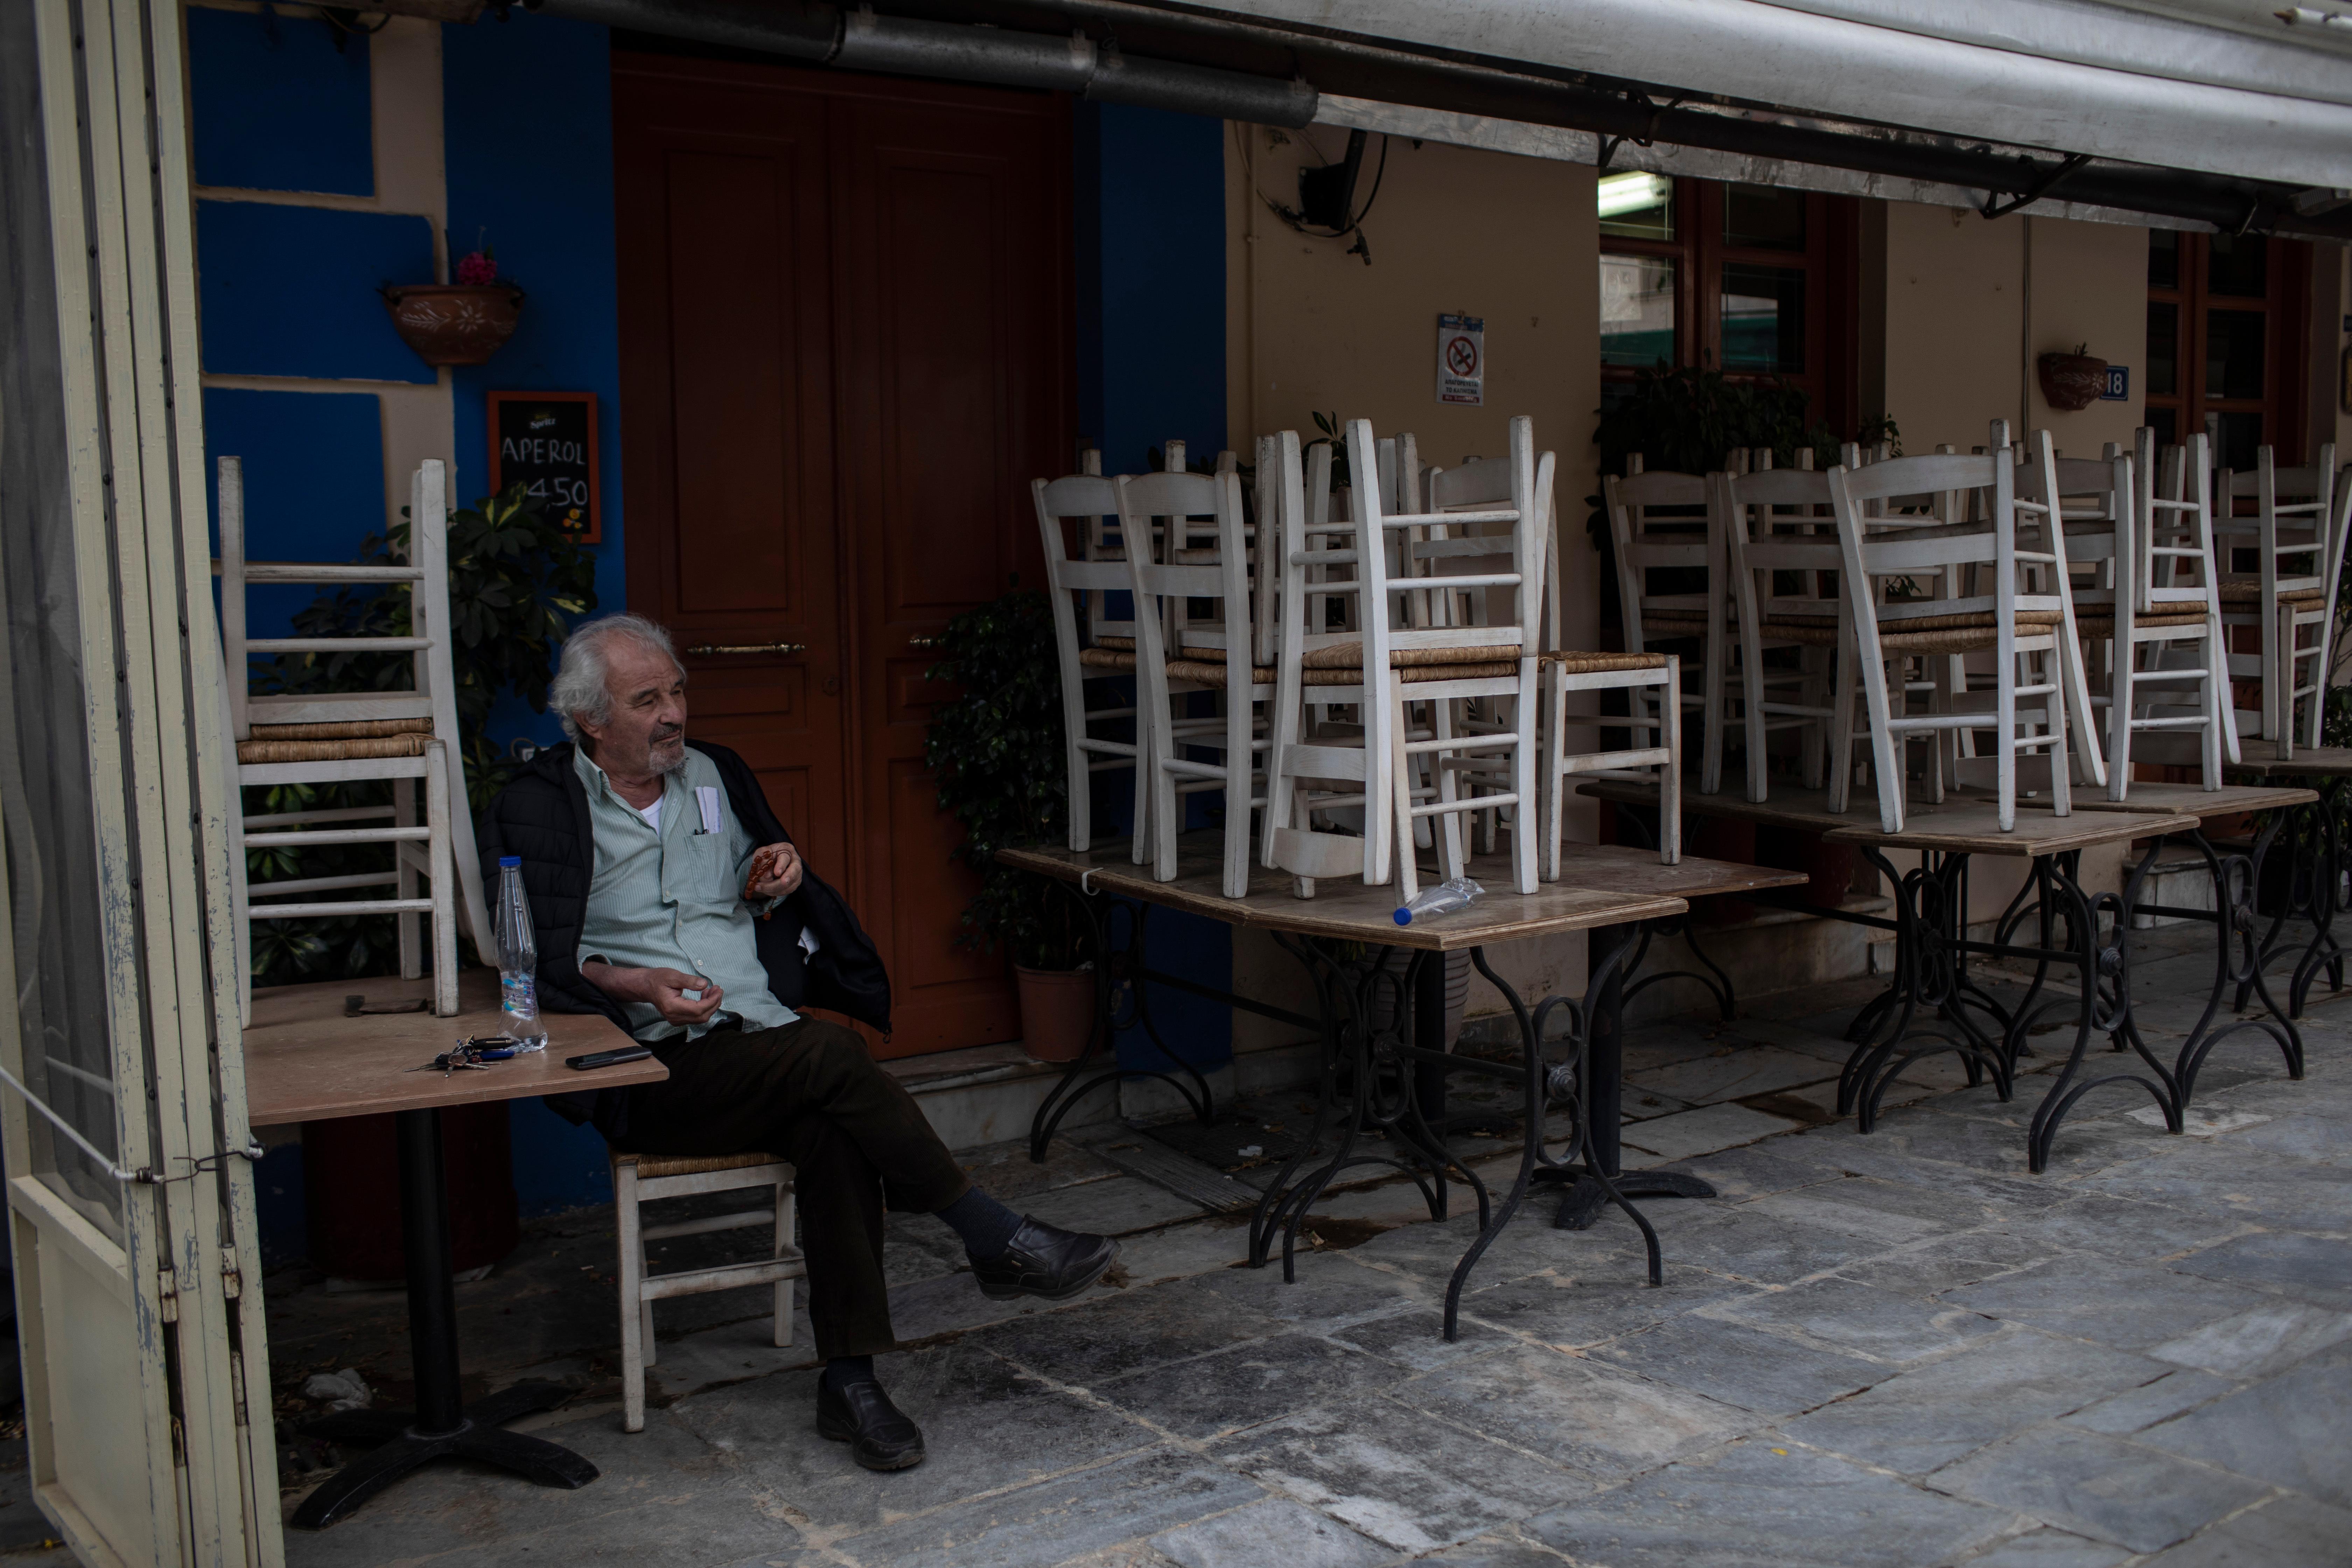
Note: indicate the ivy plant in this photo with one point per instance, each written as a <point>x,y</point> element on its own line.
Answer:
<point>996,749</point>
<point>517,580</point>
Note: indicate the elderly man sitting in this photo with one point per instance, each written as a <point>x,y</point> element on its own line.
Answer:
<point>667,898</point>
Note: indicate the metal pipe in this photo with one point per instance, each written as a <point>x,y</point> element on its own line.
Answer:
<point>894,44</point>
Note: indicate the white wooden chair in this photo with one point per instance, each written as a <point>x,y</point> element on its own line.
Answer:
<point>1088,584</point>
<point>1212,656</point>
<point>2296,536</point>
<point>1661,521</point>
<point>404,737</point>
<point>2009,621</point>
<point>647,1178</point>
<point>1783,557</point>
<point>2149,614</point>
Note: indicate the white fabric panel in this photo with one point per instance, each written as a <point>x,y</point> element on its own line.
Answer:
<point>1829,65</point>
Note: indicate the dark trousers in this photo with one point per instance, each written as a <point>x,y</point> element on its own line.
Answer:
<point>808,1093</point>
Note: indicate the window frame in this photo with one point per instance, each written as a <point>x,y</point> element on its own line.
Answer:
<point>2285,304</point>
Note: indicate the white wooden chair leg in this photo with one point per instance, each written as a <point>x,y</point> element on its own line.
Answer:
<point>444,885</point>
<point>636,1328</point>
<point>1670,786</point>
<point>2121,693</point>
<point>403,814</point>
<point>1408,868</point>
<point>1525,760</point>
<point>786,1209</point>
<point>1555,749</point>
<point>1886,753</point>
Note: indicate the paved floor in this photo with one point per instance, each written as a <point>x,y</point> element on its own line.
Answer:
<point>1896,1350</point>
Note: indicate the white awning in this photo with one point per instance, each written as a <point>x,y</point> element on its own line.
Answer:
<point>2185,84</point>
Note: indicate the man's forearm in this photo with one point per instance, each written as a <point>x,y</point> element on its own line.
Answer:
<point>620,984</point>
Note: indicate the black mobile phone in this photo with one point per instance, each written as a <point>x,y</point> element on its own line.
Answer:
<point>609,1058</point>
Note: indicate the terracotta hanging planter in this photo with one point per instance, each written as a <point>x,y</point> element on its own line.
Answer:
<point>2075,380</point>
<point>454,324</point>
<point>1057,1012</point>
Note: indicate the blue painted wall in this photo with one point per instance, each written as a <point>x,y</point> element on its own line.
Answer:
<point>313,482</point>
<point>282,109</point>
<point>291,292</point>
<point>1148,211</point>
<point>528,133</point>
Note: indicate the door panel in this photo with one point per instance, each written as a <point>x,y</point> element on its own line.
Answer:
<point>728,434</point>
<point>952,255</point>
<point>845,350</point>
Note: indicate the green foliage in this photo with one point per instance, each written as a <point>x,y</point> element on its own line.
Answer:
<point>1335,431</point>
<point>516,581</point>
<point>1683,421</point>
<point>996,749</point>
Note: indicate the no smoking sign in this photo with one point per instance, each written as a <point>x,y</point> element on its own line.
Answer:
<point>1462,360</point>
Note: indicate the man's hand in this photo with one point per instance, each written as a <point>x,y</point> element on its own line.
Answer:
<point>662,989</point>
<point>776,872</point>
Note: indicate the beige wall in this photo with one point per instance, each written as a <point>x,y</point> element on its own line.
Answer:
<point>1969,306</point>
<point>1311,328</point>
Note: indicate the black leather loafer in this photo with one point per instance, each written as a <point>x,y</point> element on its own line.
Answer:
<point>1043,1261</point>
<point>879,1435</point>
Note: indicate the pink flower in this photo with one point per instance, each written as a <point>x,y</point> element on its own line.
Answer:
<point>481,266</point>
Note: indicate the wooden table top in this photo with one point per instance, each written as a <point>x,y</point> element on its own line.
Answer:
<point>1966,826</point>
<point>2188,800</point>
<point>304,1061</point>
<point>1807,809</point>
<point>1600,885</point>
<point>2324,762</point>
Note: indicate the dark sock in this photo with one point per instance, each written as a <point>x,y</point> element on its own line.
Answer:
<point>844,1370</point>
<point>985,1225</point>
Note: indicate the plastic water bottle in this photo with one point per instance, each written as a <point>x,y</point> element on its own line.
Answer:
<point>517,960</point>
<point>1441,899</point>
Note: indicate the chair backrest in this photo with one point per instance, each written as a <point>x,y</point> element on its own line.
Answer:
<point>1498,522</point>
<point>1874,555</point>
<point>1658,521</point>
<point>1191,504</point>
<point>1452,550</point>
<point>424,575</point>
<point>1070,583</point>
<point>2295,518</point>
<point>1777,524</point>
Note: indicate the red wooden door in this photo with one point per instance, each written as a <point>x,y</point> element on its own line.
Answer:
<point>846,348</point>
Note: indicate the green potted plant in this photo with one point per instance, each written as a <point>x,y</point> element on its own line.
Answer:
<point>996,748</point>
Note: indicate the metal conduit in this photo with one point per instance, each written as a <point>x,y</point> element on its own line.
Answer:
<point>861,40</point>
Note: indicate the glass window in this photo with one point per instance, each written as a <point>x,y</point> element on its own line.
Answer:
<point>2163,349</point>
<point>1763,318</point>
<point>2233,353</point>
<point>47,830</point>
<point>2239,265</point>
<point>2234,437</point>
<point>2166,422</point>
<point>1763,217</point>
<point>2163,258</point>
<point>1637,310</point>
<point>1635,206</point>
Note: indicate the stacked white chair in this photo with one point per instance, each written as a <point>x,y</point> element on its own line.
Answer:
<point>2296,536</point>
<point>1102,650</point>
<point>316,738</point>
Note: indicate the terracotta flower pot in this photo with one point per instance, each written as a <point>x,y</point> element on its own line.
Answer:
<point>1057,1012</point>
<point>2072,381</point>
<point>454,324</point>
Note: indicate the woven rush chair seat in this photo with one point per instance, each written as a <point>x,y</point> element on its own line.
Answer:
<point>1126,644</point>
<point>1207,674</point>
<point>336,742</point>
<point>650,1165</point>
<point>1571,661</point>
<point>1673,623</point>
<point>1105,658</point>
<point>2249,591</point>
<point>1350,656</point>
<point>2100,621</point>
<point>1918,634</point>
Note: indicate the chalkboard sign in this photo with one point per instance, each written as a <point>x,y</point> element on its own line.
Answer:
<point>548,441</point>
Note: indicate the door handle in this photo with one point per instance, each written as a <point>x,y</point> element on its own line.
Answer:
<point>923,642</point>
<point>705,650</point>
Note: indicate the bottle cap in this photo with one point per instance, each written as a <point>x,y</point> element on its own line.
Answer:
<point>505,860</point>
<point>1404,917</point>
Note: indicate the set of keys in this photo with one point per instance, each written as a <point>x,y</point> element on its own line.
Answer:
<point>475,1055</point>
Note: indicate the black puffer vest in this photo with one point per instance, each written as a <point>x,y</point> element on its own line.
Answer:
<point>542,816</point>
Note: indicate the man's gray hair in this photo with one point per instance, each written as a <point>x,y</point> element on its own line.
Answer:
<point>579,690</point>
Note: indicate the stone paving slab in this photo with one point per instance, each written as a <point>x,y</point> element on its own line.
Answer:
<point>1900,1349</point>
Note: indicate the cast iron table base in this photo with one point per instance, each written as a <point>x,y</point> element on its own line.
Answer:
<point>401,1441</point>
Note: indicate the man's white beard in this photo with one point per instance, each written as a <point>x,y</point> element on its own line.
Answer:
<point>675,764</point>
